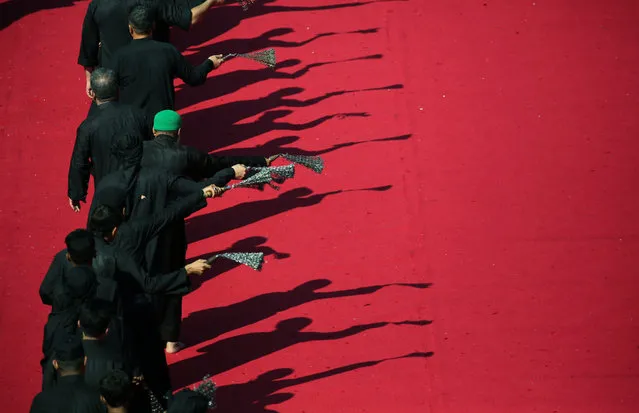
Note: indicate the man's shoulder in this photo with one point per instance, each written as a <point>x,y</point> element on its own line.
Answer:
<point>125,107</point>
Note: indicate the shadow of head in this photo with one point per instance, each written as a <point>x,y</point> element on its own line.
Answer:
<point>275,114</point>
<point>293,325</point>
<point>280,31</point>
<point>296,193</point>
<point>250,242</point>
<point>311,286</point>
<point>283,140</point>
<point>275,374</point>
<point>288,91</point>
<point>287,63</point>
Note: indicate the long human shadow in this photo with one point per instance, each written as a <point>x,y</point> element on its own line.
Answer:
<point>14,10</point>
<point>256,395</point>
<point>232,352</point>
<point>219,267</point>
<point>268,122</point>
<point>264,41</point>
<point>237,216</point>
<point>220,85</point>
<point>204,325</point>
<point>222,19</point>
<point>227,116</point>
<point>280,145</point>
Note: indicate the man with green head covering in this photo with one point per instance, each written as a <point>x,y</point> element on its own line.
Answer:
<point>165,152</point>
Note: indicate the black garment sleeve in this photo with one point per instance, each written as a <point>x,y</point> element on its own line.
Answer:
<point>90,43</point>
<point>145,125</point>
<point>221,178</point>
<point>180,186</point>
<point>191,75</point>
<point>174,14</point>
<point>176,282</point>
<point>80,166</point>
<point>228,161</point>
<point>52,277</point>
<point>201,165</point>
<point>38,405</point>
<point>143,229</point>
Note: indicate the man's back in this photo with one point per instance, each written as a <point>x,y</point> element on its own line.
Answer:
<point>70,394</point>
<point>165,152</point>
<point>105,30</point>
<point>146,69</point>
<point>95,141</point>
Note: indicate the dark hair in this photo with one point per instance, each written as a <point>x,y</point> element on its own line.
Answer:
<point>141,19</point>
<point>71,365</point>
<point>104,84</point>
<point>116,388</point>
<point>80,246</point>
<point>104,219</point>
<point>95,316</point>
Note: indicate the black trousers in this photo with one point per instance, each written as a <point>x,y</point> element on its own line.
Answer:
<point>168,310</point>
<point>171,256</point>
<point>147,347</point>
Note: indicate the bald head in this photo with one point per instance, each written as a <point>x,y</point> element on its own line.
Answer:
<point>104,84</point>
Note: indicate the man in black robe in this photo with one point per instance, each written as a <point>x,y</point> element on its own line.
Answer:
<point>169,251</point>
<point>124,243</point>
<point>146,68</point>
<point>77,285</point>
<point>96,136</point>
<point>79,251</point>
<point>105,27</point>
<point>54,291</point>
<point>70,394</point>
<point>103,342</point>
<point>148,189</point>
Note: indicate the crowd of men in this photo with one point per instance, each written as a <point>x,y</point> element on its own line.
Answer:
<point>116,290</point>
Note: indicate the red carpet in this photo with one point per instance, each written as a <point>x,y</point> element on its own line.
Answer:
<point>509,184</point>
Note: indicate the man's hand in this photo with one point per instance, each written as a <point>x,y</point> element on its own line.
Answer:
<point>75,205</point>
<point>217,60</point>
<point>87,72</point>
<point>197,267</point>
<point>212,191</point>
<point>240,171</point>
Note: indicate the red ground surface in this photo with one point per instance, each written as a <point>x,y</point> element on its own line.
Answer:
<point>514,194</point>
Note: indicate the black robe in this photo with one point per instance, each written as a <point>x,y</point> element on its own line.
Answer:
<point>124,257</point>
<point>107,354</point>
<point>146,69</point>
<point>169,252</point>
<point>93,151</point>
<point>165,152</point>
<point>105,29</point>
<point>151,191</point>
<point>70,394</point>
<point>54,275</point>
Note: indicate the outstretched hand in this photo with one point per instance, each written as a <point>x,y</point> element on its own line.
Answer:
<point>212,191</point>
<point>217,60</point>
<point>240,171</point>
<point>197,267</point>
